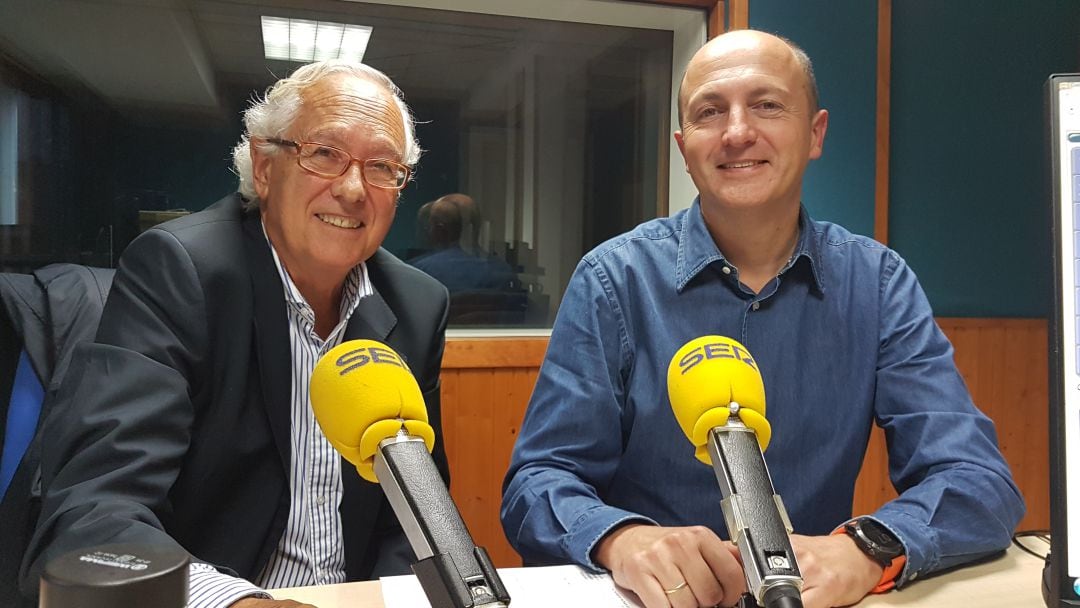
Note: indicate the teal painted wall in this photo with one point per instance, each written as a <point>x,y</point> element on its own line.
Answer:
<point>841,38</point>
<point>968,193</point>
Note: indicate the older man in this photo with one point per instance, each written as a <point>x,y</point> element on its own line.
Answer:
<point>188,423</point>
<point>843,335</point>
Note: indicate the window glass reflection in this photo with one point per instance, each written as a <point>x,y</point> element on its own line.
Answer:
<point>541,138</point>
<point>484,288</point>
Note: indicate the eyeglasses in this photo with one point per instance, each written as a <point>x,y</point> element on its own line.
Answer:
<point>330,162</point>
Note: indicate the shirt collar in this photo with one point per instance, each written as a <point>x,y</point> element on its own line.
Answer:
<point>357,286</point>
<point>697,249</point>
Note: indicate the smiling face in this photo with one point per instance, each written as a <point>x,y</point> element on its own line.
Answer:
<point>321,228</point>
<point>748,129</point>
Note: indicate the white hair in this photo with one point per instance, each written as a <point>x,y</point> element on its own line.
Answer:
<point>271,116</point>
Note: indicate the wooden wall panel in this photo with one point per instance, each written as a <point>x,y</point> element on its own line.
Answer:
<point>476,353</point>
<point>482,412</point>
<point>881,128</point>
<point>486,386</point>
<point>738,14</point>
<point>1004,363</point>
<point>715,24</point>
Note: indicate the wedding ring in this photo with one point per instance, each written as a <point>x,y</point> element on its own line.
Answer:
<point>675,588</point>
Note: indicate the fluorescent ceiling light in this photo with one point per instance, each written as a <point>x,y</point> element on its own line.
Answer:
<point>305,41</point>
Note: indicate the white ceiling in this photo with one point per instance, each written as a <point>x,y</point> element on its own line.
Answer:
<point>190,55</point>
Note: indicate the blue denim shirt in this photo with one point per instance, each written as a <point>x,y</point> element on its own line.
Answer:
<point>844,337</point>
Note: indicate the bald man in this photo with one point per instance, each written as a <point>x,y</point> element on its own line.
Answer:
<point>844,337</point>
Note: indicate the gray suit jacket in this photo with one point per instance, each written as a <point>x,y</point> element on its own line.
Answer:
<point>46,313</point>
<point>173,426</point>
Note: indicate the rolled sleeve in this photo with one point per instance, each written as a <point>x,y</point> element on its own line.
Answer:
<point>570,442</point>
<point>209,588</point>
<point>957,500</point>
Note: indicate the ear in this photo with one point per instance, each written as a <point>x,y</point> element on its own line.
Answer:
<point>261,165</point>
<point>682,148</point>
<point>818,125</point>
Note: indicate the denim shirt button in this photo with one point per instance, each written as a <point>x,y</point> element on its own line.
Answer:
<point>755,305</point>
<point>726,270</point>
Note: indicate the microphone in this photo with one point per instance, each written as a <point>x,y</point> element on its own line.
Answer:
<point>718,397</point>
<point>372,411</point>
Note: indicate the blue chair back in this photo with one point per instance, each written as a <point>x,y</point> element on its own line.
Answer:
<point>23,411</point>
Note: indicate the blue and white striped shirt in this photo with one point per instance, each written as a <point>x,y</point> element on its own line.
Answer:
<point>311,551</point>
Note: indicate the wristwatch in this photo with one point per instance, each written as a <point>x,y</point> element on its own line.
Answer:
<point>874,540</point>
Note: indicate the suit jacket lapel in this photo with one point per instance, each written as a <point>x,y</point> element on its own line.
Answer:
<point>271,334</point>
<point>372,319</point>
<point>362,502</point>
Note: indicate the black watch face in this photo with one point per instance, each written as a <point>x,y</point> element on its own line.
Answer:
<point>877,533</point>
<point>881,537</point>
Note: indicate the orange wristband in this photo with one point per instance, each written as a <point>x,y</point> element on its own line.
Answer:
<point>889,574</point>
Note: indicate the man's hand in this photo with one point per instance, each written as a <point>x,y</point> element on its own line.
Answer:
<point>835,572</point>
<point>258,602</point>
<point>673,567</point>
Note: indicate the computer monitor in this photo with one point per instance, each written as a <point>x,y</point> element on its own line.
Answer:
<point>1061,580</point>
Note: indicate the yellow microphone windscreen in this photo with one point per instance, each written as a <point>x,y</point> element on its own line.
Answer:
<point>705,376</point>
<point>362,392</point>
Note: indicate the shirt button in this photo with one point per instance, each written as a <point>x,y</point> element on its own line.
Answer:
<point>321,500</point>
<point>726,270</point>
<point>756,305</point>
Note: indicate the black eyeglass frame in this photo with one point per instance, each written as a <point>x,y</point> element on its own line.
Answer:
<point>364,163</point>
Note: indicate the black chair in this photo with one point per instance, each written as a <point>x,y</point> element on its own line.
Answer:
<point>43,316</point>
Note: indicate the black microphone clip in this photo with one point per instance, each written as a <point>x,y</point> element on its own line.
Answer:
<point>755,516</point>
<point>453,571</point>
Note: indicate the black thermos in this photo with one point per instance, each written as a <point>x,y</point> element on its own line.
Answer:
<point>116,576</point>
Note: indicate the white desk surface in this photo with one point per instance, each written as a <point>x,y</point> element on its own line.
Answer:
<point>1013,580</point>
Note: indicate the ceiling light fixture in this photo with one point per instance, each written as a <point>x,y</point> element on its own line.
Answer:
<point>305,40</point>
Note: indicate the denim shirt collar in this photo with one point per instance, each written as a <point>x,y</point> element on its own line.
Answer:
<point>697,249</point>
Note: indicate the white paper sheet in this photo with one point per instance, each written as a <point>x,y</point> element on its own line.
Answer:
<point>545,587</point>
